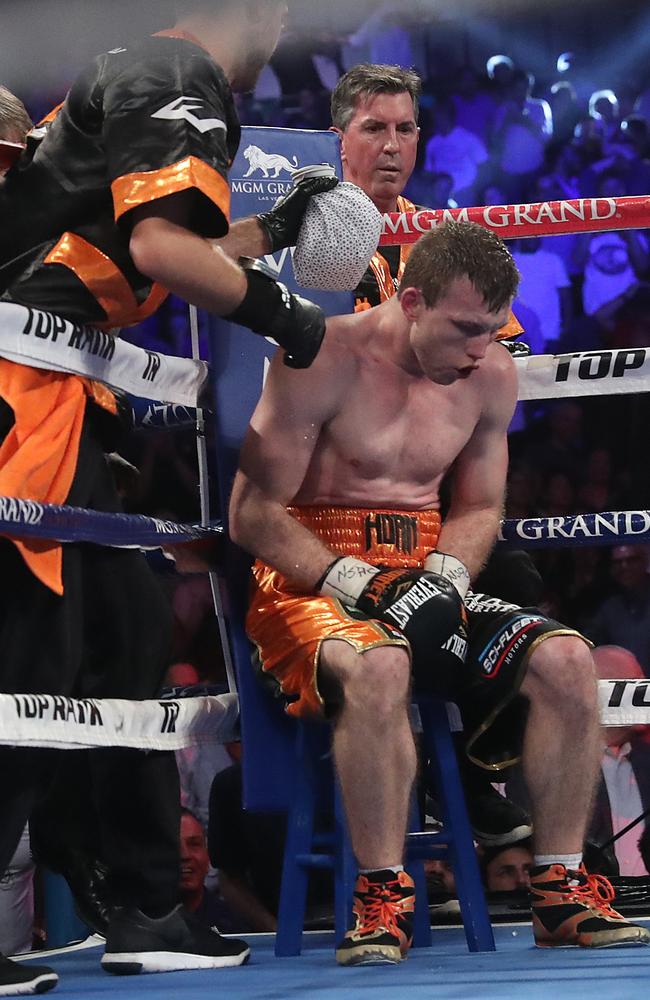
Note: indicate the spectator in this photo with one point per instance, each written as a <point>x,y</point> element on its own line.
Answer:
<point>507,869</point>
<point>206,905</point>
<point>454,150</point>
<point>432,190</point>
<point>520,133</point>
<point>546,289</point>
<point>563,101</point>
<point>604,109</point>
<point>614,262</point>
<point>387,37</point>
<point>623,619</point>
<point>624,789</point>
<point>474,107</point>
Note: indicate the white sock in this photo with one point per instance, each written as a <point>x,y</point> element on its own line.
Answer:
<point>388,868</point>
<point>570,861</point>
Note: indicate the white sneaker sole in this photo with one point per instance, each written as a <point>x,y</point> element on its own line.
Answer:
<point>40,984</point>
<point>131,963</point>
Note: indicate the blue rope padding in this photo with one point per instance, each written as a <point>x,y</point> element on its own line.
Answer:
<point>613,527</point>
<point>29,519</point>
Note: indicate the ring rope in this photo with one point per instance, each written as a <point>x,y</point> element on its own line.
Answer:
<point>60,723</point>
<point>540,218</point>
<point>60,523</point>
<point>585,373</point>
<point>610,527</point>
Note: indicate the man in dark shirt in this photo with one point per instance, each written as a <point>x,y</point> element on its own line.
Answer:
<point>117,200</point>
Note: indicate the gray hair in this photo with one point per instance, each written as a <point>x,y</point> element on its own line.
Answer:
<point>369,80</point>
<point>15,123</point>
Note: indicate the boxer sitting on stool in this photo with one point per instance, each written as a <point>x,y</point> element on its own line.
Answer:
<point>360,591</point>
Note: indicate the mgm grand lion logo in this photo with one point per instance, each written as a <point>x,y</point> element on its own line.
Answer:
<point>259,160</point>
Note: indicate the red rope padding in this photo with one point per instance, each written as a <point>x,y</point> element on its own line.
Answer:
<point>543,218</point>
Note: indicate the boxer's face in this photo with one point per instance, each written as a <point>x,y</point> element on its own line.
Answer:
<point>379,146</point>
<point>451,338</point>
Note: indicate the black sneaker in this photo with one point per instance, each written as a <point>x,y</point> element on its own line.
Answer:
<point>137,943</point>
<point>18,980</point>
<point>495,820</point>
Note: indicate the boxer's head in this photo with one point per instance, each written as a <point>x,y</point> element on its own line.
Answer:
<point>375,111</point>
<point>456,291</point>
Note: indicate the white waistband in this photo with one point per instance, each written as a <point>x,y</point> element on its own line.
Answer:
<point>42,340</point>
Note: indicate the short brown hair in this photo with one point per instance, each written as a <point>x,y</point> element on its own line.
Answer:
<point>15,123</point>
<point>368,80</point>
<point>462,249</point>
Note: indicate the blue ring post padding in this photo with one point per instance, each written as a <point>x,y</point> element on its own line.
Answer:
<point>614,527</point>
<point>59,523</point>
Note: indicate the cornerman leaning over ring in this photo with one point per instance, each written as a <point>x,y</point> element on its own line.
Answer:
<point>116,201</point>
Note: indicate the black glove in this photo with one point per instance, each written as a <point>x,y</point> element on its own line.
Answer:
<point>518,348</point>
<point>269,308</point>
<point>426,607</point>
<point>282,223</point>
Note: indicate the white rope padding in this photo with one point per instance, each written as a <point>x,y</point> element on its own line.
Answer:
<point>589,373</point>
<point>42,340</point>
<point>59,723</point>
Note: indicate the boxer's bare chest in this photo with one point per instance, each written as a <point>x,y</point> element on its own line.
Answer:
<point>392,440</point>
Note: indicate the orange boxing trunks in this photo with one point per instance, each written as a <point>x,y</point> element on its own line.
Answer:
<point>287,626</point>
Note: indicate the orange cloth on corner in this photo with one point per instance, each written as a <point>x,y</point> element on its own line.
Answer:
<point>38,457</point>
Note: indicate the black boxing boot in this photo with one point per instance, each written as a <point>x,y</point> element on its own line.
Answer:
<point>270,309</point>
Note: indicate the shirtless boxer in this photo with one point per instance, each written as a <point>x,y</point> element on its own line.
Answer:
<point>398,395</point>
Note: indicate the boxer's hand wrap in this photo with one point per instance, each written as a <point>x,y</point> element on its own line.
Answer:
<point>269,308</point>
<point>451,568</point>
<point>282,222</point>
<point>426,607</point>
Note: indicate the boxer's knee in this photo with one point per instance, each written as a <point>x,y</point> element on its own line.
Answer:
<point>561,672</point>
<point>375,682</point>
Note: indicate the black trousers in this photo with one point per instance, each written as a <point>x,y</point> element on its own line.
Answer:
<point>108,636</point>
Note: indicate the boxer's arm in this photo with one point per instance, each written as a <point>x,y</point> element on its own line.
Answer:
<point>479,474</point>
<point>274,460</point>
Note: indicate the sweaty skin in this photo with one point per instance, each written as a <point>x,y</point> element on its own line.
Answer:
<point>397,394</point>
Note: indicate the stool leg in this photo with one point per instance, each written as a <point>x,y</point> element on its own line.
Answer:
<point>415,867</point>
<point>471,895</point>
<point>299,840</point>
<point>345,868</point>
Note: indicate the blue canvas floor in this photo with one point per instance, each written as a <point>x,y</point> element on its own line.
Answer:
<point>446,971</point>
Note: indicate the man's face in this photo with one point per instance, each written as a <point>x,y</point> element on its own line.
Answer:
<point>263,39</point>
<point>194,855</point>
<point>450,339</point>
<point>379,146</point>
<point>510,870</point>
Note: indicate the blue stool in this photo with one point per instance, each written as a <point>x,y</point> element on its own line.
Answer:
<point>308,847</point>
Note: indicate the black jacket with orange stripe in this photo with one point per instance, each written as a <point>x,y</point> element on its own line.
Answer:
<point>139,124</point>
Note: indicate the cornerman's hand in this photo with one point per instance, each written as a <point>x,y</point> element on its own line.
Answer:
<point>282,222</point>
